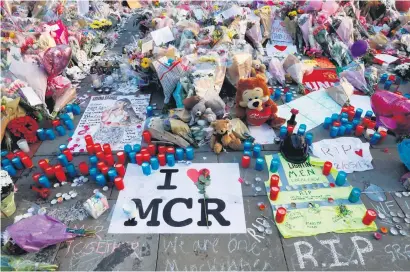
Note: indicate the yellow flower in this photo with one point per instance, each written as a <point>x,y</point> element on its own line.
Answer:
<point>293,13</point>
<point>145,63</point>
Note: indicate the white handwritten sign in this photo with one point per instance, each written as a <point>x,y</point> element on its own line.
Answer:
<point>346,153</point>
<point>279,32</point>
<point>168,201</point>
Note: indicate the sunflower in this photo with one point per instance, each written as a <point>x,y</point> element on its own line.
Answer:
<point>145,63</point>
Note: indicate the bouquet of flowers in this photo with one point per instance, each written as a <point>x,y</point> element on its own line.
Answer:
<point>9,263</point>
<point>321,36</point>
<point>340,53</point>
<point>275,68</point>
<point>294,67</point>
<point>343,26</point>
<point>354,73</point>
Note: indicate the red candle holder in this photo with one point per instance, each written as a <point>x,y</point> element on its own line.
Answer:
<point>350,115</point>
<point>146,135</point>
<point>365,121</point>
<point>120,169</point>
<point>49,171</point>
<point>68,154</point>
<point>36,176</point>
<point>84,170</point>
<point>383,135</point>
<point>107,149</point>
<point>43,164</point>
<point>109,159</point>
<point>336,124</point>
<point>146,157</point>
<point>162,160</point>
<point>119,183</point>
<point>170,150</point>
<point>359,130</point>
<point>274,180</point>
<point>97,148</point>
<point>90,149</point>
<point>121,157</point>
<point>290,130</point>
<point>60,175</point>
<point>100,156</point>
<point>326,168</point>
<point>162,149</point>
<point>246,161</point>
<point>280,215</point>
<point>104,170</point>
<point>144,151</point>
<point>100,165</point>
<point>55,123</point>
<point>89,140</point>
<point>351,108</point>
<point>28,163</point>
<point>274,193</point>
<point>58,168</point>
<point>152,149</point>
<point>371,124</point>
<point>20,154</point>
<point>139,158</point>
<point>10,155</point>
<point>369,217</point>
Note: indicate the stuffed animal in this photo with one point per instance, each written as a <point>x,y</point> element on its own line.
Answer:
<point>223,136</point>
<point>214,107</point>
<point>253,102</point>
<point>258,68</point>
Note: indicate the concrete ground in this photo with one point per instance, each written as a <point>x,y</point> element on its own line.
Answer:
<point>352,251</point>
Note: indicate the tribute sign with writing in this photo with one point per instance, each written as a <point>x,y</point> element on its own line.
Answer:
<point>279,32</point>
<point>168,201</point>
<point>115,120</point>
<point>314,203</point>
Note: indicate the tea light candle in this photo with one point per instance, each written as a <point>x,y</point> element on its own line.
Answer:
<point>120,169</point>
<point>354,195</point>
<point>170,160</point>
<point>61,177</point>
<point>335,117</point>
<point>162,149</point>
<point>274,193</point>
<point>247,146</point>
<point>50,134</point>
<point>89,140</point>
<point>189,151</point>
<point>280,215</point>
<point>257,151</point>
<point>97,148</point>
<point>342,130</point>
<point>17,163</point>
<point>359,131</point>
<point>62,159</point>
<point>109,159</point>
<point>150,111</point>
<point>28,163</point>
<point>146,135</point>
<point>112,174</point>
<point>368,114</point>
<point>128,148</point>
<point>326,168</point>
<point>259,164</point>
<point>341,178</point>
<point>274,180</point>
<point>49,171</point>
<point>60,130</point>
<point>349,128</point>
<point>327,122</point>
<point>119,183</point>
<point>10,169</point>
<point>133,156</point>
<point>100,179</point>
<point>68,154</point>
<point>274,165</point>
<point>358,113</point>
<point>334,131</point>
<point>139,158</point>
<point>375,138</point>
<point>100,156</point>
<point>146,168</point>
<point>84,170</point>
<point>41,134</point>
<point>146,157</point>
<point>43,164</point>
<point>90,149</point>
<point>152,149</point>
<point>93,173</point>
<point>136,148</point>
<point>369,217</point>
<point>93,160</point>
<point>71,170</point>
<point>121,157</point>
<point>100,165</point>
<point>154,163</point>
<point>246,161</point>
<point>104,170</point>
<point>309,138</point>
<point>179,154</point>
<point>162,159</point>
<point>43,180</point>
<point>107,148</point>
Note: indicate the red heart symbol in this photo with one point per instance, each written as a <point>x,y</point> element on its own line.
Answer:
<point>359,152</point>
<point>257,118</point>
<point>281,47</point>
<point>193,174</point>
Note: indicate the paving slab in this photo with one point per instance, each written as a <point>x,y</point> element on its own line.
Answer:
<point>223,252</point>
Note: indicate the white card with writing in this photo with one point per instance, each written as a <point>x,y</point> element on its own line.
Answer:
<point>162,36</point>
<point>279,32</point>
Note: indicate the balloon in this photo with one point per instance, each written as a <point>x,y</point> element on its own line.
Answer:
<point>316,4</point>
<point>56,59</point>
<point>359,48</point>
<point>392,111</point>
<point>330,7</point>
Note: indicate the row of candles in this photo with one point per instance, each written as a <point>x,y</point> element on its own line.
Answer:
<point>13,161</point>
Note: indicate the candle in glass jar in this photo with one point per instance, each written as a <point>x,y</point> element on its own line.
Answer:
<point>259,164</point>
<point>359,130</point>
<point>43,164</point>
<point>100,165</point>
<point>162,149</point>
<point>104,170</point>
<point>90,149</point>
<point>152,149</point>
<point>369,217</point>
<point>71,170</point>
<point>170,160</point>
<point>112,174</point>
<point>132,155</point>
<point>100,156</point>
<point>100,179</point>
<point>49,171</point>
<point>16,161</point>
<point>61,177</point>
<point>170,150</point>
<point>62,159</point>
<point>136,148</point>
<point>97,148</point>
<point>146,157</point>
<point>36,176</point>
<point>179,154</point>
<point>109,159</point>
<point>93,160</point>
<point>146,135</point>
<point>146,168</point>
<point>154,163</point>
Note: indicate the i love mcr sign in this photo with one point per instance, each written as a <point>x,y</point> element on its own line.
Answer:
<point>168,201</point>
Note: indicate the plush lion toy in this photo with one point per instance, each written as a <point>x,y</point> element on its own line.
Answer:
<point>253,102</point>
<point>223,136</point>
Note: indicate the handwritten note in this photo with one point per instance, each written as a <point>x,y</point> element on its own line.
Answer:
<point>279,32</point>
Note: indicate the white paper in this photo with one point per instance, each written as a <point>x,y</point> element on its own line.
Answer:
<point>347,154</point>
<point>53,27</point>
<point>232,12</point>
<point>162,36</point>
<point>279,32</point>
<point>361,101</point>
<point>263,134</point>
<point>31,96</point>
<point>147,46</point>
<point>224,187</point>
<point>386,58</point>
<point>98,48</point>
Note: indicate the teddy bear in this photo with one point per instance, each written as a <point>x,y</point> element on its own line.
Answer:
<point>258,68</point>
<point>253,103</point>
<point>223,137</point>
<point>204,109</point>
<point>201,112</point>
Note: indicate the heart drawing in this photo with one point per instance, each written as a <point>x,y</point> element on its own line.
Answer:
<point>193,174</point>
<point>359,152</point>
<point>281,47</point>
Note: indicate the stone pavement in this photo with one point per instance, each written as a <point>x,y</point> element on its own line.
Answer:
<point>352,251</point>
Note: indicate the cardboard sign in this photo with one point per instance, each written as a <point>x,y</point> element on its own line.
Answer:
<point>116,120</point>
<point>168,201</point>
<point>346,153</point>
<point>279,32</point>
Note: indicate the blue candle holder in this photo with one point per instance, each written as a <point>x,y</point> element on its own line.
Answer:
<point>127,148</point>
<point>358,113</point>
<point>283,132</point>
<point>60,130</point>
<point>334,131</point>
<point>342,130</point>
<point>344,115</point>
<point>69,124</point>
<point>335,117</point>
<point>4,153</point>
<point>341,178</point>
<point>179,154</point>
<point>354,195</point>
<point>154,163</point>
<point>327,123</point>
<point>259,164</point>
<point>5,162</point>
<point>100,179</point>
<point>93,160</point>
<point>146,168</point>
<point>43,180</point>
<point>355,123</point>
<point>10,169</point>
<point>62,147</point>
<point>62,159</point>
<point>368,114</point>
<point>247,146</point>
<point>69,108</point>
<point>17,163</point>
<point>344,121</point>
<point>72,173</point>
<point>50,134</point>
<point>76,109</point>
<point>309,138</point>
<point>387,84</point>
<point>278,94</point>
<point>383,78</point>
<point>136,148</point>
<point>189,151</point>
<point>131,156</point>
<point>301,131</point>
<point>257,151</point>
<point>248,153</point>
<point>288,97</point>
<point>93,172</point>
<point>112,174</point>
<point>170,160</point>
<point>150,111</point>
<point>303,126</point>
<point>375,138</point>
<point>274,165</point>
<point>41,134</point>
<point>349,129</point>
<point>64,116</point>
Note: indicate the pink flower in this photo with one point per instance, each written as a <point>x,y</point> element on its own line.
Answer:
<point>362,20</point>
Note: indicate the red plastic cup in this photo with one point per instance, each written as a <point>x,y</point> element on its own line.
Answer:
<point>152,149</point>
<point>100,165</point>
<point>28,163</point>
<point>90,149</point>
<point>359,130</point>
<point>119,183</point>
<point>162,160</point>
<point>104,170</point>
<point>162,149</point>
<point>36,176</point>
<point>139,158</point>
<point>100,156</point>
<point>246,161</point>
<point>97,148</point>
<point>83,166</point>
<point>60,175</point>
<point>121,157</point>
<point>120,169</point>
<point>68,154</point>
<point>146,135</point>
<point>144,151</point>
<point>274,180</point>
<point>350,115</point>
<point>146,157</point>
<point>274,192</point>
<point>89,140</point>
<point>107,148</point>
<point>49,171</point>
<point>43,164</point>
<point>326,168</point>
<point>280,215</point>
<point>369,217</point>
<point>290,130</point>
<point>109,159</point>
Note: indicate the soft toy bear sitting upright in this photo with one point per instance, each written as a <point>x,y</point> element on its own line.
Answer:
<point>253,102</point>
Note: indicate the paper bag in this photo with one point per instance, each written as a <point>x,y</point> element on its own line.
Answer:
<point>168,75</point>
<point>241,67</point>
<point>341,92</point>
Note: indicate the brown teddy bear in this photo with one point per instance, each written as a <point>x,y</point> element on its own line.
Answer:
<point>223,136</point>
<point>258,68</point>
<point>253,102</point>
